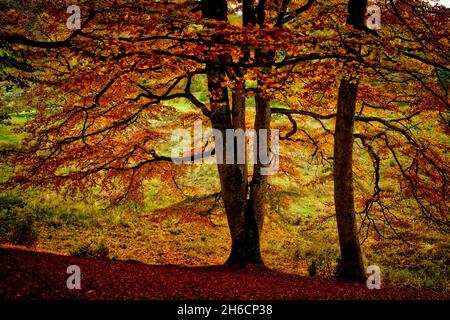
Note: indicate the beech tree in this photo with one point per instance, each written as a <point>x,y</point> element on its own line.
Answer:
<point>351,264</point>
<point>245,211</point>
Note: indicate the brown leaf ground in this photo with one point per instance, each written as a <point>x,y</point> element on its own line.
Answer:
<point>31,275</point>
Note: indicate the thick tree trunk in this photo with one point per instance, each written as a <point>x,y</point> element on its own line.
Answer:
<point>247,225</point>
<point>215,9</point>
<point>245,246</point>
<point>233,177</point>
<point>243,226</point>
<point>351,266</point>
<point>246,243</point>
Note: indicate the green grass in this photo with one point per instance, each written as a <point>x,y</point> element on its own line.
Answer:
<point>181,105</point>
<point>436,279</point>
<point>8,137</point>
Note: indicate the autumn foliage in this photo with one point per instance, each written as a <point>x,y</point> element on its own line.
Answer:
<point>102,93</point>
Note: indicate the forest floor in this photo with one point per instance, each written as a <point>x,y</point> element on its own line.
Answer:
<point>34,275</point>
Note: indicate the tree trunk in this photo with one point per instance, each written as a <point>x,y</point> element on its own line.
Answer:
<point>244,232</point>
<point>215,9</point>
<point>249,223</point>
<point>246,244</point>
<point>258,188</point>
<point>351,266</point>
<point>245,248</point>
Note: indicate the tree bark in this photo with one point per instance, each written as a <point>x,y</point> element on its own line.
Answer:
<point>242,223</point>
<point>351,266</point>
<point>258,188</point>
<point>247,248</point>
<point>245,240</point>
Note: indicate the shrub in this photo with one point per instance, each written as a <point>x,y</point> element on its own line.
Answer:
<point>100,251</point>
<point>18,228</point>
<point>322,259</point>
<point>10,202</point>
